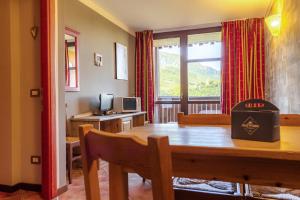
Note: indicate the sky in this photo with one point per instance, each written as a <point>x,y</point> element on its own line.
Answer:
<point>200,51</point>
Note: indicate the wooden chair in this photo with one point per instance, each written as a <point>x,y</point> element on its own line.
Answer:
<point>192,193</point>
<point>71,144</point>
<point>125,153</point>
<point>256,192</point>
<point>204,119</point>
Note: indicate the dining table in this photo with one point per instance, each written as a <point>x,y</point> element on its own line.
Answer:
<point>208,152</point>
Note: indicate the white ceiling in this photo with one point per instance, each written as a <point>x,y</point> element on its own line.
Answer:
<point>162,15</point>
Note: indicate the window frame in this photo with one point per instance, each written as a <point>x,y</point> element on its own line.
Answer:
<point>183,35</point>
<point>68,88</point>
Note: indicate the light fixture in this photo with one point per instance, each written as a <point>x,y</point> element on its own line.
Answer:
<point>274,24</point>
<point>274,21</point>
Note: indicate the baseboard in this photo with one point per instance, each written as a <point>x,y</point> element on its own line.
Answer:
<point>21,186</point>
<point>8,188</point>
<point>62,190</point>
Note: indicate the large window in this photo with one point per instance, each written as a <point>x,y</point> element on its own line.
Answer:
<point>188,69</point>
<point>167,68</point>
<point>203,63</point>
<point>204,66</point>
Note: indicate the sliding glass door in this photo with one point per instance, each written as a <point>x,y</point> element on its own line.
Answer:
<point>204,72</point>
<point>188,73</point>
<point>167,79</point>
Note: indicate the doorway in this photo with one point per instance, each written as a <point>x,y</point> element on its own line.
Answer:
<point>53,122</point>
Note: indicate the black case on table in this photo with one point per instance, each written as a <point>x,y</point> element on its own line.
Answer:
<point>255,119</point>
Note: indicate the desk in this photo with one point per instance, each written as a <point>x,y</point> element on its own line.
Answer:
<point>208,152</point>
<point>114,123</point>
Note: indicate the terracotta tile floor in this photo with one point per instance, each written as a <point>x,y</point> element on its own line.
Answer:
<point>137,189</point>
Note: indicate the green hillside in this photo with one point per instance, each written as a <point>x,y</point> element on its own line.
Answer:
<point>203,80</point>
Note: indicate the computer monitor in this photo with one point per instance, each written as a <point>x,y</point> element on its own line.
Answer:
<point>106,102</point>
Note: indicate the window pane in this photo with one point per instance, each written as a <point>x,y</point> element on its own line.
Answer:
<point>204,79</point>
<point>206,45</point>
<point>168,67</point>
<point>72,74</point>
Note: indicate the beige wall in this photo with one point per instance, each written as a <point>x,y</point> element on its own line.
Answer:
<point>20,123</point>
<point>30,78</point>
<point>96,35</point>
<point>20,71</point>
<point>283,61</point>
<point>5,96</point>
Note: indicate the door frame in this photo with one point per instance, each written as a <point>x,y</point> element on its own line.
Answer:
<point>48,140</point>
<point>183,35</point>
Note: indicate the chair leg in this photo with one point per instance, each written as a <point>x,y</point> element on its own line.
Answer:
<point>69,161</point>
<point>248,190</point>
<point>241,188</point>
<point>118,183</point>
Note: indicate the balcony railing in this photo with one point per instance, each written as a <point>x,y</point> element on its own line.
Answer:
<point>165,113</point>
<point>166,109</point>
<point>205,108</point>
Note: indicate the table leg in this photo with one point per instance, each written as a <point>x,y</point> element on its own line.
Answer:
<point>118,183</point>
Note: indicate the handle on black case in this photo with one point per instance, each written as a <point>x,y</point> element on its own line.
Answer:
<point>242,105</point>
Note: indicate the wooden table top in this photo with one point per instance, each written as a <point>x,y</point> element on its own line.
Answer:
<point>216,140</point>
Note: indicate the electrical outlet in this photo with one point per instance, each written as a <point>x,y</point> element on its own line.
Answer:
<point>35,93</point>
<point>36,160</point>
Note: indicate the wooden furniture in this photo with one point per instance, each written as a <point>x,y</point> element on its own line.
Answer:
<point>289,120</point>
<point>114,123</point>
<point>205,193</point>
<point>71,143</point>
<point>261,192</point>
<point>125,153</point>
<point>204,119</point>
<point>208,152</point>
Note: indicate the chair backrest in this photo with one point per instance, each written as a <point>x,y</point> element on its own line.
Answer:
<point>204,119</point>
<point>152,160</point>
<point>222,119</point>
<point>290,120</point>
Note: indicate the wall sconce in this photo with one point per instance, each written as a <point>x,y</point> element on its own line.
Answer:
<point>274,24</point>
<point>274,21</point>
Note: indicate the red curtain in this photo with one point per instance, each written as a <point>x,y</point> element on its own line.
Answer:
<point>145,71</point>
<point>243,62</point>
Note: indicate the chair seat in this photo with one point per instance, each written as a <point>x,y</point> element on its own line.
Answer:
<point>205,185</point>
<point>274,192</point>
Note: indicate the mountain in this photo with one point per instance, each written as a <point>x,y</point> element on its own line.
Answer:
<point>203,80</point>
<point>169,60</point>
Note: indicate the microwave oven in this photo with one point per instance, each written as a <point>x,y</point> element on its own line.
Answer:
<point>127,104</point>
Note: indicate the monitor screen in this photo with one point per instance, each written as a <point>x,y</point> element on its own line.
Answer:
<point>106,102</point>
<point>129,103</point>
